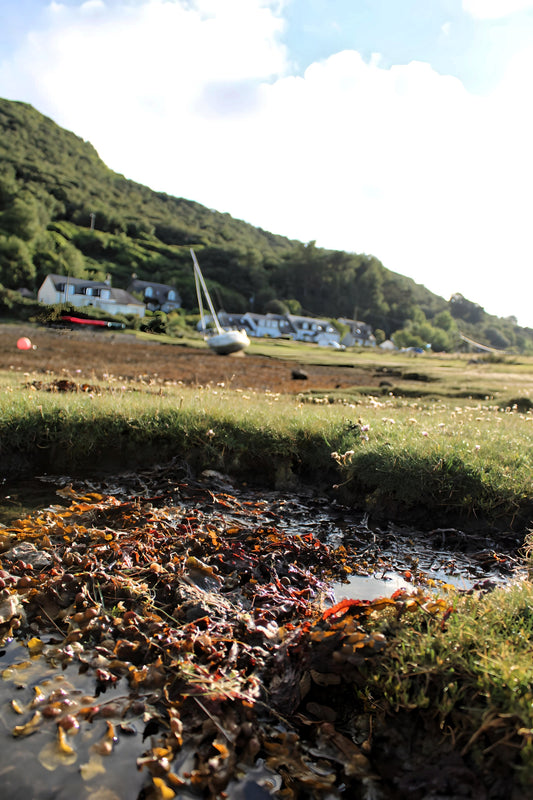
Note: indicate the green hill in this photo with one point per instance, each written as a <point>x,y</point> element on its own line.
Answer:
<point>62,210</point>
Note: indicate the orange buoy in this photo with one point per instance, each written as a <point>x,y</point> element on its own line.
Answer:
<point>24,343</point>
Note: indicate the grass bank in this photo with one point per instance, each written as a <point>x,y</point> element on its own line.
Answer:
<point>458,683</point>
<point>421,458</point>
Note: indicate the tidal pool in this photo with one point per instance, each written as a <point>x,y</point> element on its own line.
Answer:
<point>389,558</point>
<point>32,764</point>
<point>44,672</point>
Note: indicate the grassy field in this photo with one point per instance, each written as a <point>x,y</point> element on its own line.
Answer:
<point>442,437</point>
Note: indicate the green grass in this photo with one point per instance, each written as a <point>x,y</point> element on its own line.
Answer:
<point>261,436</point>
<point>472,458</point>
<point>444,456</point>
<point>470,676</point>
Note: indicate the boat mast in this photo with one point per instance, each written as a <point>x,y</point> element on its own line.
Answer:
<point>199,280</point>
<point>199,299</point>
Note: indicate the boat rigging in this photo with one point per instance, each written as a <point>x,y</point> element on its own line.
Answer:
<point>220,340</point>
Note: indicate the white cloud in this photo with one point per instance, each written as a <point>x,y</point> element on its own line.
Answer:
<point>93,6</point>
<point>197,99</point>
<point>136,73</point>
<point>495,9</point>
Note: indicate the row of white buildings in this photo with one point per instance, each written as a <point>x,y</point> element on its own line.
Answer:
<point>57,289</point>
<point>300,328</point>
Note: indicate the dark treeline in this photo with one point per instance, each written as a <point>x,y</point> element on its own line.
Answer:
<point>63,211</point>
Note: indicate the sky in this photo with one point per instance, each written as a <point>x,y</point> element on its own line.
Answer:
<point>397,128</point>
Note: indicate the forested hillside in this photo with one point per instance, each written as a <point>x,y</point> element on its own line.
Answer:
<point>62,210</point>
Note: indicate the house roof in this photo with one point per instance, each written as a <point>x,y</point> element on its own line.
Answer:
<point>355,326</point>
<point>124,297</point>
<point>58,280</point>
<point>230,317</point>
<point>282,319</point>
<point>298,320</point>
<point>160,291</point>
<point>279,317</point>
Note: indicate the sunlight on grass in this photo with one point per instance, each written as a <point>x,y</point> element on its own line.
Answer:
<point>473,674</point>
<point>460,455</point>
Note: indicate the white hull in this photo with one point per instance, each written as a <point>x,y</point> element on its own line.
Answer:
<point>228,342</point>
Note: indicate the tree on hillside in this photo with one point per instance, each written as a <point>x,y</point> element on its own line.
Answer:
<point>496,337</point>
<point>445,321</point>
<point>276,307</point>
<point>8,186</point>
<point>418,332</point>
<point>16,266</point>
<point>401,304</point>
<point>461,308</point>
<point>294,307</point>
<point>55,255</point>
<point>300,275</point>
<point>370,292</point>
<point>20,219</point>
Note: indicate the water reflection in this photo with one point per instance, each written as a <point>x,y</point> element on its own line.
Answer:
<point>19,498</point>
<point>369,587</point>
<point>32,764</point>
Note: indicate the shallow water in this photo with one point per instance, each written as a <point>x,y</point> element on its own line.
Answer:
<point>389,558</point>
<point>31,766</point>
<point>400,558</point>
<point>20,498</point>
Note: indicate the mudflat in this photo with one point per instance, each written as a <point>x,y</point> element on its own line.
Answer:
<point>95,354</point>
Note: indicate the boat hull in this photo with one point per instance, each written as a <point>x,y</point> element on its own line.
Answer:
<point>228,342</point>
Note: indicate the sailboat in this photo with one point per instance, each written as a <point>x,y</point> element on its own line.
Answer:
<point>220,340</point>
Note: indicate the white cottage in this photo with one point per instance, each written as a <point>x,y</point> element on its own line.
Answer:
<point>309,329</point>
<point>57,289</point>
<point>269,325</point>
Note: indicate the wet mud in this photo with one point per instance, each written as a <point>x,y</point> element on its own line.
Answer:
<point>86,355</point>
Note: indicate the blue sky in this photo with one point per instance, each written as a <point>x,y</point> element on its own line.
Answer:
<point>400,128</point>
<point>471,47</point>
